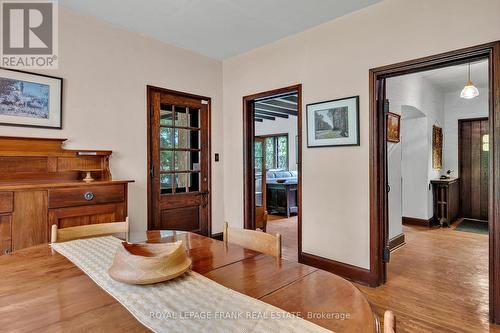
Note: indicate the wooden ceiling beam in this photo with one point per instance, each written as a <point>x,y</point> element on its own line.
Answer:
<point>282,104</point>
<point>266,117</point>
<point>264,107</point>
<point>292,98</point>
<point>273,114</point>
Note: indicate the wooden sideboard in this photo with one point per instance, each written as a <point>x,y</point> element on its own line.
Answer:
<point>41,185</point>
<point>282,199</point>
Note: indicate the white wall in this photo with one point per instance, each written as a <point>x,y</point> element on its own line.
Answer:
<point>414,165</point>
<point>105,71</point>
<point>332,61</point>
<point>278,126</point>
<point>456,108</point>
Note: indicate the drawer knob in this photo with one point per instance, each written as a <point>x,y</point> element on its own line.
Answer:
<point>88,196</point>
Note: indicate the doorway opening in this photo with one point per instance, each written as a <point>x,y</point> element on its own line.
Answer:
<point>272,165</point>
<point>442,197</point>
<point>178,161</point>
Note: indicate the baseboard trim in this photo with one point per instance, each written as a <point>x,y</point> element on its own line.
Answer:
<point>218,236</point>
<point>350,272</point>
<point>396,242</point>
<point>415,221</point>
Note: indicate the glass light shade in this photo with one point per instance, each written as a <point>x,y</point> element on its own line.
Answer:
<point>469,91</point>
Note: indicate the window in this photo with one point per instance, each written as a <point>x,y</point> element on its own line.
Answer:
<point>276,152</point>
<point>179,149</point>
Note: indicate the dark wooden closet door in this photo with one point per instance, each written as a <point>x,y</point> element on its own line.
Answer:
<point>473,167</point>
<point>180,162</point>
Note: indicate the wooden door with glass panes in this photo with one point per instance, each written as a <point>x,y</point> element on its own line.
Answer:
<point>179,187</point>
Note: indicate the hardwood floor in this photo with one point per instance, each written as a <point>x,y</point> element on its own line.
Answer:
<point>438,281</point>
<point>287,228</point>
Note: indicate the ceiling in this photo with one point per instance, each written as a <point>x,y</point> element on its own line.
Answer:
<point>453,78</point>
<point>217,28</point>
<point>269,109</point>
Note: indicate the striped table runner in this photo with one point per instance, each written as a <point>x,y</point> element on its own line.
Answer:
<point>190,303</point>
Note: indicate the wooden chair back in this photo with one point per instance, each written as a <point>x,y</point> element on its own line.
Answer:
<point>92,230</point>
<point>254,240</point>
<point>389,322</point>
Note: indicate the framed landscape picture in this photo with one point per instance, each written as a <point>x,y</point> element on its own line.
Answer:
<point>28,99</point>
<point>393,127</point>
<point>333,123</point>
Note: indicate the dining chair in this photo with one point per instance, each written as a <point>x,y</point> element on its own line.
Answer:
<point>92,230</point>
<point>389,322</point>
<point>254,240</point>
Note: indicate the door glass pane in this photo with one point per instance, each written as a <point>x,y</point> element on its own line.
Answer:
<point>194,117</point>
<point>194,185</point>
<point>181,182</point>
<point>195,139</point>
<point>166,137</point>
<point>166,115</point>
<point>166,160</point>
<point>182,160</point>
<point>181,115</point>
<point>283,152</point>
<point>182,138</point>
<point>195,160</point>
<point>166,183</point>
<point>258,155</point>
<point>270,158</point>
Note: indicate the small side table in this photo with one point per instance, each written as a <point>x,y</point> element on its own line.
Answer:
<point>446,198</point>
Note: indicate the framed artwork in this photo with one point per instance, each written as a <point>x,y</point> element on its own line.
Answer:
<point>437,147</point>
<point>28,99</point>
<point>333,123</point>
<point>393,127</point>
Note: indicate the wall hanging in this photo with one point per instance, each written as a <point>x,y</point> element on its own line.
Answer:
<point>333,123</point>
<point>28,99</point>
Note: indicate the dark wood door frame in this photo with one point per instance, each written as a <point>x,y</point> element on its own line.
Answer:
<point>378,194</point>
<point>149,112</point>
<point>248,159</point>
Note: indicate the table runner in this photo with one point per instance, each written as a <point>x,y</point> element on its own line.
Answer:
<point>190,303</point>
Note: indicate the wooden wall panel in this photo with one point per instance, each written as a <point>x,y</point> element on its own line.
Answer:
<point>29,224</point>
<point>78,163</point>
<point>5,234</point>
<point>6,202</point>
<point>23,164</point>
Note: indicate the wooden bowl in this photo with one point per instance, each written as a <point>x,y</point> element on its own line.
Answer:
<point>149,263</point>
<point>280,181</point>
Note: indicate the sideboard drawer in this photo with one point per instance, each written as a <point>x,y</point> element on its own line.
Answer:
<point>6,202</point>
<point>86,195</point>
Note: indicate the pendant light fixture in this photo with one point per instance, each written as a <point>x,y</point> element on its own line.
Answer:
<point>469,90</point>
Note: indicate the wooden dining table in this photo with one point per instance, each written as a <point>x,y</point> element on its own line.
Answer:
<point>42,291</point>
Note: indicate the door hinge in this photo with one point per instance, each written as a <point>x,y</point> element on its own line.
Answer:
<point>386,255</point>
<point>152,172</point>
